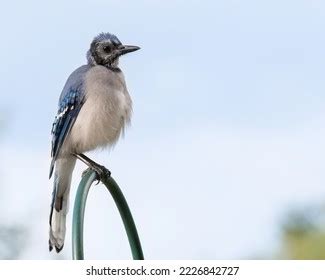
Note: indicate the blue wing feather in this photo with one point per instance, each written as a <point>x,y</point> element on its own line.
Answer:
<point>69,108</point>
<point>71,100</point>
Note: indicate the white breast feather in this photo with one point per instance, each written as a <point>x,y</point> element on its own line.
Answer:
<point>107,110</point>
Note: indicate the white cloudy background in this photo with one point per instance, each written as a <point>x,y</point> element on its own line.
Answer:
<point>228,127</point>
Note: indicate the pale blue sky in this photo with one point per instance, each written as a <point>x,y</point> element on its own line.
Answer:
<point>228,116</point>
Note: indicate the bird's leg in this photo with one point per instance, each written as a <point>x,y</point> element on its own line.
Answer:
<point>100,170</point>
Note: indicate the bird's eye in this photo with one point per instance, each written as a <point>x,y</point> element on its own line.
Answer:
<point>107,49</point>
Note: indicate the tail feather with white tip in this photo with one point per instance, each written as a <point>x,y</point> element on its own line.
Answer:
<point>60,202</point>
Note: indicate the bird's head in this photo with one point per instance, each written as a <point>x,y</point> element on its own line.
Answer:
<point>106,49</point>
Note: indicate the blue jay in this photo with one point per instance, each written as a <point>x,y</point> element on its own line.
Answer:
<point>94,109</point>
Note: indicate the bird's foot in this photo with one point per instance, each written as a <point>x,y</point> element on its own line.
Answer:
<point>101,171</point>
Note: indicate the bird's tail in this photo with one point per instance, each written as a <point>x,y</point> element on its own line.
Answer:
<point>60,201</point>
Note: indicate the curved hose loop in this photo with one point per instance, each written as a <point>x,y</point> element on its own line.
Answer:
<point>79,211</point>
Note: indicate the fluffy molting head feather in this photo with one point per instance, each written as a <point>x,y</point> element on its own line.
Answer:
<point>106,49</point>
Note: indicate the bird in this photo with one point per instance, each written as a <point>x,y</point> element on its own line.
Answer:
<point>93,111</point>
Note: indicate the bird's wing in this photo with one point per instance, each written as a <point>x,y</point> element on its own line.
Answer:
<point>71,100</point>
<point>69,107</point>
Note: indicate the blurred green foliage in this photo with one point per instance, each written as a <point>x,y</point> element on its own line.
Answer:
<point>303,234</point>
<point>13,236</point>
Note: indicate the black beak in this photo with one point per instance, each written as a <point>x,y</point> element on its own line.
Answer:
<point>127,49</point>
